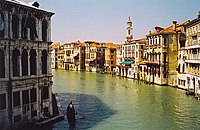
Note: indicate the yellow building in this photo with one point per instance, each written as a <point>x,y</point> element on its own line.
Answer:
<point>110,57</point>
<point>91,55</point>
<point>74,56</point>
<point>60,57</point>
<point>161,54</point>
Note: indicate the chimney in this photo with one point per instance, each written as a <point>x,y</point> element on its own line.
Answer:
<point>36,4</point>
<point>149,32</point>
<point>158,29</point>
<point>174,25</point>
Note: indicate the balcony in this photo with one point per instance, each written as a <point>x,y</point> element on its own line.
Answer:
<point>194,61</point>
<point>193,46</point>
<point>151,62</point>
<point>154,45</point>
<point>193,70</point>
<point>195,56</point>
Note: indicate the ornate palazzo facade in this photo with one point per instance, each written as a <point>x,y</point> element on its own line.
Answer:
<point>25,76</point>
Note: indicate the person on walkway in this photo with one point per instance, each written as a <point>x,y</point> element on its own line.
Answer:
<point>71,113</point>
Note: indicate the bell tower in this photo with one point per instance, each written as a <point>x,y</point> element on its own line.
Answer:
<point>129,35</point>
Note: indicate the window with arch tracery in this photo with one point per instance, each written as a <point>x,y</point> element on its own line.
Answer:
<point>2,25</point>
<point>15,26</point>
<point>44,30</point>
<point>2,64</point>
<point>44,62</point>
<point>24,28</point>
<point>24,63</point>
<point>15,62</point>
<point>32,62</point>
<point>32,26</point>
<point>28,29</point>
<point>165,40</point>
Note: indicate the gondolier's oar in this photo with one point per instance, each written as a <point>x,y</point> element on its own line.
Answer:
<point>80,114</point>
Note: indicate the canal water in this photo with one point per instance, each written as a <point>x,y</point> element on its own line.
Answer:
<point>106,102</point>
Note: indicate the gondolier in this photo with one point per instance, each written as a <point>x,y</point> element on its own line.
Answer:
<point>71,113</point>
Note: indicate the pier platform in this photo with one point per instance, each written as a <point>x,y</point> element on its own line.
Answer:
<point>50,121</point>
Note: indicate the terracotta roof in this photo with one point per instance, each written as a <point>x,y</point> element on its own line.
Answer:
<point>168,29</point>
<point>55,45</point>
<point>90,42</point>
<point>78,43</point>
<point>118,45</point>
<point>81,44</point>
<point>141,40</point>
<point>111,45</point>
<point>94,45</point>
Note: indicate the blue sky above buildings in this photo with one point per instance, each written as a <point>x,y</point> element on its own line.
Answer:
<point>105,20</point>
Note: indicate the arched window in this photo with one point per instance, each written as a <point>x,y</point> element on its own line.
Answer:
<point>44,62</point>
<point>33,62</point>
<point>24,28</point>
<point>2,25</point>
<point>165,57</point>
<point>179,67</point>
<point>155,56</point>
<point>44,30</point>
<point>24,63</point>
<point>15,26</point>
<point>165,40</point>
<point>29,28</point>
<point>183,69</point>
<point>2,64</point>
<point>15,62</point>
<point>32,26</point>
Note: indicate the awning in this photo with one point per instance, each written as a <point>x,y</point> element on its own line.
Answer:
<point>91,59</point>
<point>126,62</point>
<point>151,63</point>
<point>74,55</point>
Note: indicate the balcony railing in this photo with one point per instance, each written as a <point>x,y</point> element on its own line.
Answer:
<point>195,61</point>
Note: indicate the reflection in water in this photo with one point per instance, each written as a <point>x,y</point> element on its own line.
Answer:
<point>90,110</point>
<point>109,102</point>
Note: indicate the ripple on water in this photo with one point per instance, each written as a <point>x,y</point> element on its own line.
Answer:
<point>117,103</point>
<point>87,106</point>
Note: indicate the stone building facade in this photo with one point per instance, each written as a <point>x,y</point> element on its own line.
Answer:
<point>25,76</point>
<point>60,57</point>
<point>189,58</point>
<point>138,52</point>
<point>110,57</point>
<point>54,55</point>
<point>118,60</point>
<point>91,56</point>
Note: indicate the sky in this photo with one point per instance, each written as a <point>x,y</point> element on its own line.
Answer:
<point>105,20</point>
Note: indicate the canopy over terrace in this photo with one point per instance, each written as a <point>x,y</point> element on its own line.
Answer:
<point>126,63</point>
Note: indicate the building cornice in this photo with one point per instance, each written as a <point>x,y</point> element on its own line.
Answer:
<point>193,22</point>
<point>23,7</point>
